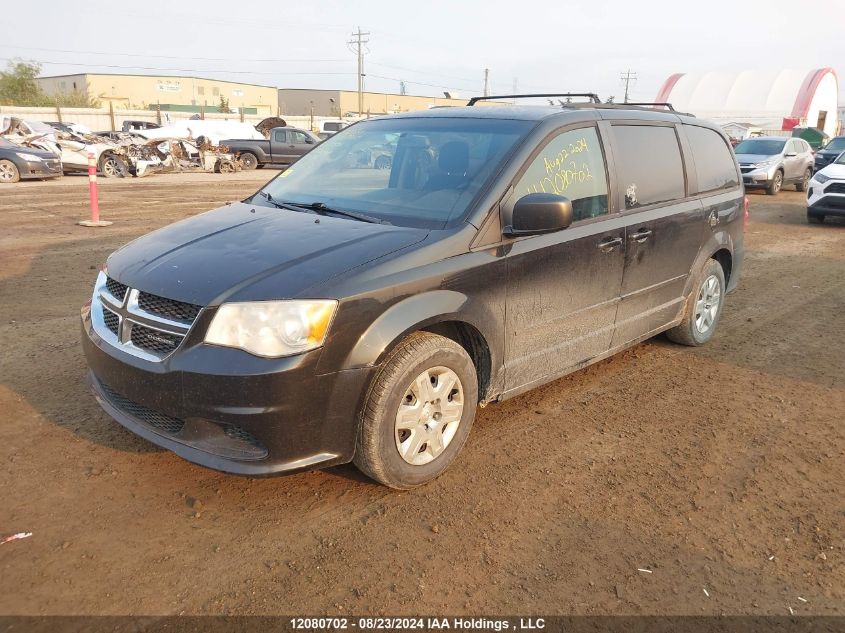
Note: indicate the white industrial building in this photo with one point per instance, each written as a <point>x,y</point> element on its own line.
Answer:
<point>778,100</point>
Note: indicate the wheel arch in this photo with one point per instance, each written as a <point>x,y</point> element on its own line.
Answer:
<point>443,312</point>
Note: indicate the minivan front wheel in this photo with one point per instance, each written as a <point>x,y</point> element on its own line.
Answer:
<point>703,308</point>
<point>418,412</point>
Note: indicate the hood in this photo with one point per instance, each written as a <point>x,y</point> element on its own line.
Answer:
<point>244,252</point>
<point>756,158</point>
<point>828,153</point>
<point>23,149</point>
<point>834,170</point>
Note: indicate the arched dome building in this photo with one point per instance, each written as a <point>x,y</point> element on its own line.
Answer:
<point>778,100</point>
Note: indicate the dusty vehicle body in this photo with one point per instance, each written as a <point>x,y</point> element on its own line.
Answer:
<point>345,314</point>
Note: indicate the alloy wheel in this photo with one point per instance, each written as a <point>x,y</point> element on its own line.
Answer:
<point>707,305</point>
<point>7,172</point>
<point>429,415</point>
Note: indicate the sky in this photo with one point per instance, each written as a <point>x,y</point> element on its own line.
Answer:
<point>432,45</point>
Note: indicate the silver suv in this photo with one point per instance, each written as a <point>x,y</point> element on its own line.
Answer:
<point>774,161</point>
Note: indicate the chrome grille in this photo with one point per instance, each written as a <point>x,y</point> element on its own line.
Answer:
<point>154,340</point>
<point>168,308</point>
<point>117,289</point>
<point>111,320</point>
<point>140,323</point>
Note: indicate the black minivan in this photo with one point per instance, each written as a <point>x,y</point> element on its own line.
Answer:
<point>348,312</point>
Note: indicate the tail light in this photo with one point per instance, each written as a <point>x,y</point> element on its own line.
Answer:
<point>745,208</point>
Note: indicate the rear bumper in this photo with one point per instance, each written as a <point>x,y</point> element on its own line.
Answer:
<point>227,410</point>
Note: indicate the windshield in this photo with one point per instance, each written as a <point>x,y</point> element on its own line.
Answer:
<point>836,145</point>
<point>841,159</point>
<point>413,172</point>
<point>766,147</point>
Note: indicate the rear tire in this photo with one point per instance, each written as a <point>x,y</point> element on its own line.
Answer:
<point>9,172</point>
<point>805,180</point>
<point>774,187</point>
<point>703,307</point>
<point>418,412</point>
<point>248,160</point>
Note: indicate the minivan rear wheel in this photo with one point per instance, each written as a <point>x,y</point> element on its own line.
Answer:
<point>703,307</point>
<point>418,412</point>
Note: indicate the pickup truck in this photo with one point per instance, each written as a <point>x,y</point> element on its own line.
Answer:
<point>285,146</point>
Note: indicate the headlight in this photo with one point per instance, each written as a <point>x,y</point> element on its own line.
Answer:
<point>272,328</point>
<point>31,158</point>
<point>821,178</point>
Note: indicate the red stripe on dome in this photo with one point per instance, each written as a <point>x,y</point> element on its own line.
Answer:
<point>666,89</point>
<point>808,91</point>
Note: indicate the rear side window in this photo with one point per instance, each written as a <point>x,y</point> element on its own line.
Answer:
<point>714,164</point>
<point>279,136</point>
<point>571,165</point>
<point>650,165</point>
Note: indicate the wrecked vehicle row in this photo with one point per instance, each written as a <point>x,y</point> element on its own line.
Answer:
<point>33,149</point>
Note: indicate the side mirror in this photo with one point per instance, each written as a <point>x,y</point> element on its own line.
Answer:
<point>309,140</point>
<point>538,213</point>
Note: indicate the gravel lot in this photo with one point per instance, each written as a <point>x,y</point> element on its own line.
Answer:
<point>719,470</point>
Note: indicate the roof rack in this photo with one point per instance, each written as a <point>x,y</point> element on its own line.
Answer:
<point>645,104</point>
<point>592,96</point>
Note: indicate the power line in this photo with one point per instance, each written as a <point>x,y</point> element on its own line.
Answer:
<point>207,59</point>
<point>179,70</point>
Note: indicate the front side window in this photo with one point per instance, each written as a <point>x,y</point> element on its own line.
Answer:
<point>571,165</point>
<point>296,137</point>
<point>649,164</point>
<point>714,165</point>
<point>423,172</point>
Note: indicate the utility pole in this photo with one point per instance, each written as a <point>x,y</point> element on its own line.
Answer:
<point>628,77</point>
<point>359,42</point>
<point>403,90</point>
<point>514,89</point>
<point>486,82</point>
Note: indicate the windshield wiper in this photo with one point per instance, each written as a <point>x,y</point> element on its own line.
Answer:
<point>279,205</point>
<point>322,209</point>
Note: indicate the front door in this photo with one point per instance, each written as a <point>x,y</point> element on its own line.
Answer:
<point>298,144</point>
<point>664,230</point>
<point>563,287</point>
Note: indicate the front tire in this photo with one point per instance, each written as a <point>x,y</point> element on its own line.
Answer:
<point>703,308</point>
<point>112,167</point>
<point>418,412</point>
<point>9,171</point>
<point>805,180</point>
<point>815,219</point>
<point>774,187</point>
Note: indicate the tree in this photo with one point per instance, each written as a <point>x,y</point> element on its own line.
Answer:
<point>224,105</point>
<point>610,100</point>
<point>18,85</point>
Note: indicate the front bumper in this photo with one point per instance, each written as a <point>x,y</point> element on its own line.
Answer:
<point>41,169</point>
<point>758,177</point>
<point>227,410</point>
<point>827,205</point>
<point>826,198</point>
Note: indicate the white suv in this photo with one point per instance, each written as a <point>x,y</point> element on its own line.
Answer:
<point>826,193</point>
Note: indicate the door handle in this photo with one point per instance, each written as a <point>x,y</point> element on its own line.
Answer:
<point>609,244</point>
<point>640,236</point>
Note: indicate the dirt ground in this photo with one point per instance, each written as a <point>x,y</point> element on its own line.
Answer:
<point>718,470</point>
